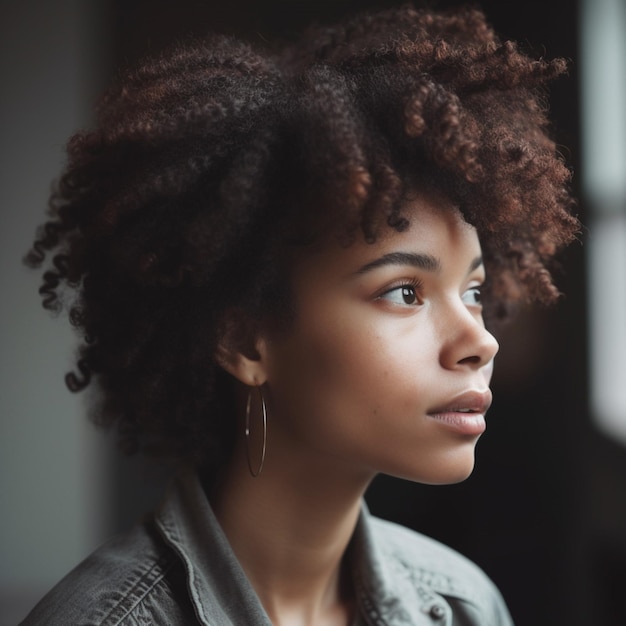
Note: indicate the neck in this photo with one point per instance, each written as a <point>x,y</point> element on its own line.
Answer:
<point>290,531</point>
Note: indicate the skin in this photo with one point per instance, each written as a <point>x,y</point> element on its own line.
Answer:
<point>387,337</point>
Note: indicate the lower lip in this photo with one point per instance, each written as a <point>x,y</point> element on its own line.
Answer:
<point>462,423</point>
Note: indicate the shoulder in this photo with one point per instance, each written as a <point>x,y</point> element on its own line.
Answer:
<point>132,579</point>
<point>430,564</point>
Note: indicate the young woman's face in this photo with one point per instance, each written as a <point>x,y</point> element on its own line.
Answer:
<point>386,367</point>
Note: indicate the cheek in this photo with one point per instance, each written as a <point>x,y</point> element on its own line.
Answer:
<point>319,358</point>
<point>341,364</point>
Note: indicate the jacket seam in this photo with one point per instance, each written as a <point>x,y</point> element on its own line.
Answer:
<point>164,566</point>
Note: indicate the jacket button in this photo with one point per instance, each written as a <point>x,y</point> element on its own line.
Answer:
<point>437,612</point>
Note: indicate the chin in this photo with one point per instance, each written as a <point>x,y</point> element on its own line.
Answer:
<point>456,473</point>
<point>445,472</point>
<point>452,479</point>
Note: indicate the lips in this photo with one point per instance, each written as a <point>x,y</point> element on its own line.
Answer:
<point>464,414</point>
<point>468,402</point>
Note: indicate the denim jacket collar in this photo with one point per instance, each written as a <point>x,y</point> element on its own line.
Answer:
<point>387,591</point>
<point>219,589</point>
<point>401,578</point>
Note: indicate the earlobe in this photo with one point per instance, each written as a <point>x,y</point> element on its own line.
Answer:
<point>242,355</point>
<point>249,371</point>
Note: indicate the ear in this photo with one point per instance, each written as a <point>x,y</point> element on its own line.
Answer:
<point>241,349</point>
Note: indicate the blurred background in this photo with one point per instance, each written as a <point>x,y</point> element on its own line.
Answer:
<point>544,513</point>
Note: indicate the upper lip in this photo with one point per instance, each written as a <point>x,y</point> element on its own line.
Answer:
<point>473,400</point>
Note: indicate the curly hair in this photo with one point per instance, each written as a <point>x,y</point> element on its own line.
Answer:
<point>209,163</point>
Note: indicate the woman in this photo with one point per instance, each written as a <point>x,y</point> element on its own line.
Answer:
<point>280,263</point>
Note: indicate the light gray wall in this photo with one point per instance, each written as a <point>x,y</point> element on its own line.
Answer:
<point>52,487</point>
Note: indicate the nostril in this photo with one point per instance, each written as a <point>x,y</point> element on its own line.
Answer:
<point>471,360</point>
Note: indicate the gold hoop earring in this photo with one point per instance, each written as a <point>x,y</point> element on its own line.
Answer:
<point>254,473</point>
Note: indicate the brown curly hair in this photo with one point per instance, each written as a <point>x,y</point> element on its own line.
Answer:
<point>209,164</point>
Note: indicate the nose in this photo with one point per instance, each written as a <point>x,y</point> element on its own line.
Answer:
<point>466,343</point>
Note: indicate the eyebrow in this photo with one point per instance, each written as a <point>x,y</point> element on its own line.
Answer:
<point>425,262</point>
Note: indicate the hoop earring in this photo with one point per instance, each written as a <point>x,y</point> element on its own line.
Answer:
<point>254,473</point>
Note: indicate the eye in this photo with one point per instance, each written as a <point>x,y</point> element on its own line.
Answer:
<point>404,295</point>
<point>473,296</point>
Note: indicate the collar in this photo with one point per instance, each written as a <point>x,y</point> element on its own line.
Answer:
<point>387,590</point>
<point>219,589</point>
<point>387,587</point>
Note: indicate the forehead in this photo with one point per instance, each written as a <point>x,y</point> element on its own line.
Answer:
<point>436,227</point>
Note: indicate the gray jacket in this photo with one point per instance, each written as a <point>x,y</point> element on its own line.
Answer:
<point>178,568</point>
